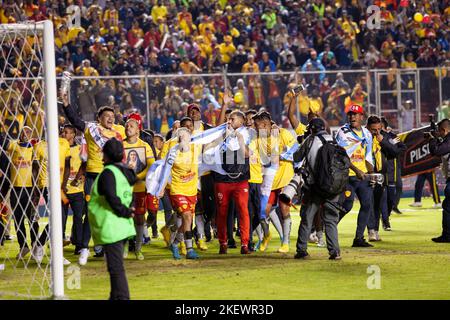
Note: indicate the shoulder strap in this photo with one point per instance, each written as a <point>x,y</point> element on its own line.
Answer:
<point>322,139</point>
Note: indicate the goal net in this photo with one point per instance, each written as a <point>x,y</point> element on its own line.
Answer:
<point>30,203</point>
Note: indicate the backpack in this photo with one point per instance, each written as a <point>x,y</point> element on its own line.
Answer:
<point>331,169</point>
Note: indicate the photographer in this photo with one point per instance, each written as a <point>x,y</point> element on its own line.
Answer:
<point>440,146</point>
<point>383,149</point>
<point>311,200</point>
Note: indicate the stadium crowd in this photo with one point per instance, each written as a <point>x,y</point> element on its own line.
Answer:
<point>250,110</point>
<point>120,38</point>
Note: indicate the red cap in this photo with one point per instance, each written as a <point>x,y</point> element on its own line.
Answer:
<point>193,106</point>
<point>136,117</point>
<point>355,108</point>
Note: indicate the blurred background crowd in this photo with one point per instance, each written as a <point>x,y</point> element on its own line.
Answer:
<point>183,51</point>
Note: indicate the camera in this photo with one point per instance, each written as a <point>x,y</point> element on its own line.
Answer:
<point>291,189</point>
<point>375,178</point>
<point>297,89</point>
<point>433,130</point>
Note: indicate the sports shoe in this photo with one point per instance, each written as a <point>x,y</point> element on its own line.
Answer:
<point>147,240</point>
<point>139,255</point>
<point>154,235</point>
<point>245,249</point>
<point>84,255</point>
<point>37,253</point>
<point>183,250</point>
<point>66,242</point>
<point>396,210</point>
<point>201,244</point>
<point>321,243</point>
<point>361,243</point>
<point>265,242</point>
<point>335,256</point>
<point>66,262</point>
<point>23,253</point>
<point>301,255</point>
<point>126,249</point>
<point>387,226</point>
<point>166,235</point>
<point>77,250</point>
<point>223,249</point>
<point>377,235</point>
<point>416,204</point>
<point>437,206</point>
<point>284,248</point>
<point>441,239</point>
<point>191,254</point>
<point>372,235</point>
<point>175,252</point>
<point>99,254</point>
<point>313,238</point>
<point>232,244</point>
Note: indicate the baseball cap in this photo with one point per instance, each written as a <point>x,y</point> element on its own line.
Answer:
<point>135,117</point>
<point>355,108</point>
<point>193,106</point>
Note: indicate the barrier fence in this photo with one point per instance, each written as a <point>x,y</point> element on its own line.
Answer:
<point>404,97</point>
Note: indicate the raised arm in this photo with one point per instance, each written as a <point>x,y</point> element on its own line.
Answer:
<point>71,114</point>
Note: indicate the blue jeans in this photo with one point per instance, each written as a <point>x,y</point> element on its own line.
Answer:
<point>81,232</point>
<point>446,211</point>
<point>365,195</point>
<point>380,207</point>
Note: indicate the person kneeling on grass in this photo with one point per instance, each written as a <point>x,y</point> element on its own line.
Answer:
<point>111,214</point>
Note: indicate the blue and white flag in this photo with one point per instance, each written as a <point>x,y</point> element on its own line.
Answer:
<point>159,173</point>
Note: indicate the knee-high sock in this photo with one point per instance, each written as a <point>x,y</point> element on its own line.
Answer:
<point>276,222</point>
<point>200,224</point>
<point>179,237</point>
<point>167,217</point>
<point>264,227</point>
<point>287,223</point>
<point>188,239</point>
<point>145,232</point>
<point>139,236</point>
<point>259,232</point>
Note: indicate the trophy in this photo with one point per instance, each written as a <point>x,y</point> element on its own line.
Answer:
<point>65,84</point>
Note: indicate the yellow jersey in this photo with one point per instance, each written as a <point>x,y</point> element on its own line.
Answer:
<point>13,124</point>
<point>185,172</point>
<point>95,154</point>
<point>75,164</point>
<point>256,175</point>
<point>139,157</point>
<point>21,171</point>
<point>40,151</point>
<point>285,172</point>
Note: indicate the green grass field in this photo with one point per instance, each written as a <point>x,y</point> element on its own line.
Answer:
<point>411,267</point>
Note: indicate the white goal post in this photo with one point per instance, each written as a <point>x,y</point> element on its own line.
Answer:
<point>44,29</point>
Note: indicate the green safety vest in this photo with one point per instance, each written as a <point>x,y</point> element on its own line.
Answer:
<point>106,226</point>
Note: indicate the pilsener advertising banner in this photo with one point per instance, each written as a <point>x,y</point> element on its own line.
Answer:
<point>417,158</point>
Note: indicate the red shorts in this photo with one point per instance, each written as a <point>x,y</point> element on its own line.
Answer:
<point>152,203</point>
<point>274,195</point>
<point>182,203</point>
<point>140,202</point>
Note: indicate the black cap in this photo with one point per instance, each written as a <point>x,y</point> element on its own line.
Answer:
<point>113,149</point>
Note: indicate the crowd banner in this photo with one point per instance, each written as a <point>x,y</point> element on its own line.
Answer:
<point>417,158</point>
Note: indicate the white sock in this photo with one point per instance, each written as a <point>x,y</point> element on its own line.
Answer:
<point>287,222</point>
<point>276,222</point>
<point>139,236</point>
<point>146,232</point>
<point>259,232</point>
<point>200,224</point>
